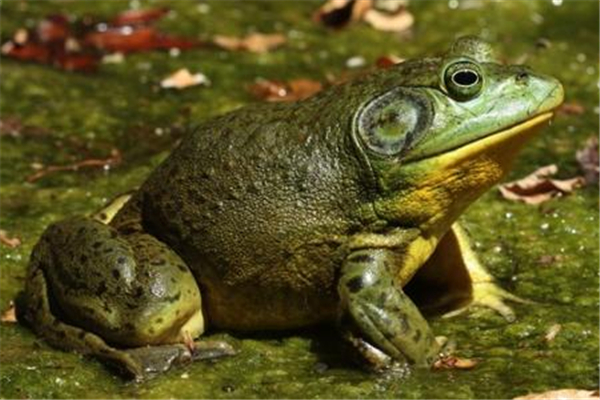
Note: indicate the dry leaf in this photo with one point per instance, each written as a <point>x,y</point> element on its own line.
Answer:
<point>9,315</point>
<point>552,332</point>
<point>388,61</point>
<point>74,46</point>
<point>571,109</point>
<point>254,43</point>
<point>296,89</point>
<point>562,394</point>
<point>396,22</point>
<point>587,157</point>
<point>453,362</point>
<point>182,79</point>
<point>11,242</point>
<point>537,187</point>
<point>338,13</point>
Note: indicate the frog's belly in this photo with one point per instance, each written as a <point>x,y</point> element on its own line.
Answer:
<point>249,307</point>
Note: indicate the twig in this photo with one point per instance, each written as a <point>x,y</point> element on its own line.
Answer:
<point>114,159</point>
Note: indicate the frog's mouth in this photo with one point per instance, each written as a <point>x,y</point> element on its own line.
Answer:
<point>502,145</point>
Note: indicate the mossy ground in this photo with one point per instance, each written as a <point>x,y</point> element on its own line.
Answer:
<point>72,116</point>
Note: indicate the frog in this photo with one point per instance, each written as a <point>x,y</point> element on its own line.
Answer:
<point>340,209</point>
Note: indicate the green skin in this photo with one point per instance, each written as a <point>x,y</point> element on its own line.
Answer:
<point>280,216</point>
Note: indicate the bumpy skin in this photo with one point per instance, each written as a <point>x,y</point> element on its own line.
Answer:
<point>288,215</point>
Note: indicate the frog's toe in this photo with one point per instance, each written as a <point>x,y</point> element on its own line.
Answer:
<point>150,361</point>
<point>490,295</point>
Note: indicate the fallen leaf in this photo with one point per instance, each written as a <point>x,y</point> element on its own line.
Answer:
<point>453,362</point>
<point>338,13</point>
<point>132,17</point>
<point>114,159</point>
<point>588,160</point>
<point>79,46</point>
<point>296,89</point>
<point>549,259</point>
<point>389,22</point>
<point>552,332</point>
<point>6,240</point>
<point>9,315</point>
<point>538,187</point>
<point>126,39</point>
<point>390,16</point>
<point>562,394</point>
<point>182,79</point>
<point>571,109</point>
<point>254,42</point>
<point>388,61</point>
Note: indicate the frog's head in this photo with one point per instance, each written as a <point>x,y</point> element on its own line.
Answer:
<point>449,131</point>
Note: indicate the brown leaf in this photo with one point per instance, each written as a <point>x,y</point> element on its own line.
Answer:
<point>388,61</point>
<point>588,160</point>
<point>296,89</point>
<point>389,22</point>
<point>552,332</point>
<point>254,42</point>
<point>571,109</point>
<point>55,42</point>
<point>127,39</point>
<point>562,394</point>
<point>453,362</point>
<point>9,315</point>
<point>538,187</point>
<point>6,240</point>
<point>338,13</point>
<point>131,17</point>
<point>182,79</point>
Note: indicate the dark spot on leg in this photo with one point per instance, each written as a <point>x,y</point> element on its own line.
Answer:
<point>159,320</point>
<point>355,284</point>
<point>405,326</point>
<point>361,258</point>
<point>139,292</point>
<point>116,274</point>
<point>182,268</point>
<point>417,335</point>
<point>102,288</point>
<point>97,245</point>
<point>121,260</point>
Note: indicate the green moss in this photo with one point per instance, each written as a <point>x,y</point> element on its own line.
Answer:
<point>68,116</point>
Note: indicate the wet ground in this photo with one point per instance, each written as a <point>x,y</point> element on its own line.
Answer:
<point>546,253</point>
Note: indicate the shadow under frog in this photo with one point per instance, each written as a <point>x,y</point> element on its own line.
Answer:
<point>282,216</point>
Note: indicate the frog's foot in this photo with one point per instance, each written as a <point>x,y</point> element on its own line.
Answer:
<point>490,295</point>
<point>387,325</point>
<point>484,292</point>
<point>128,300</point>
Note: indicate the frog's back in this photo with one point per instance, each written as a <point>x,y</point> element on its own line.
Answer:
<point>258,202</point>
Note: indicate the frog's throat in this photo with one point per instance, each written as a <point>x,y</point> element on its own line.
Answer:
<point>434,192</point>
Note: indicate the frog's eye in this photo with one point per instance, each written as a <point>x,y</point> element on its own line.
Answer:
<point>463,80</point>
<point>389,124</point>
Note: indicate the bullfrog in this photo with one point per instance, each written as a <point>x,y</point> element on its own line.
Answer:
<point>338,208</point>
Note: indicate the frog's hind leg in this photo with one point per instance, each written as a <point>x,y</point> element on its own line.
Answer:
<point>128,300</point>
<point>453,280</point>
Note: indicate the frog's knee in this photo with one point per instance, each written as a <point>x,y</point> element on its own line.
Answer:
<point>130,290</point>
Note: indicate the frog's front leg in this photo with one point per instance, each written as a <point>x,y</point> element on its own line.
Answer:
<point>382,312</point>
<point>96,291</point>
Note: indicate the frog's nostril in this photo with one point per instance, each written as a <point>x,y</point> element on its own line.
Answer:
<point>522,76</point>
